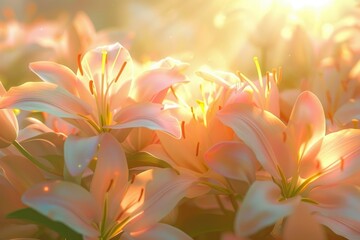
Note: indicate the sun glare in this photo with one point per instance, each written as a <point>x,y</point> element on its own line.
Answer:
<point>309,4</point>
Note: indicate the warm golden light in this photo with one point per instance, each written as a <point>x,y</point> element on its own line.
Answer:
<point>311,4</point>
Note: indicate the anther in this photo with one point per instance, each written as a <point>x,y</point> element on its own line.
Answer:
<point>121,70</point>
<point>79,64</point>
<point>183,129</point>
<point>141,194</point>
<point>110,185</point>
<point>197,148</point>
<point>192,112</point>
<point>91,87</point>
<point>342,164</point>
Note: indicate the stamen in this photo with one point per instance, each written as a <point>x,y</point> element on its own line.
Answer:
<point>103,61</point>
<point>268,81</point>
<point>318,164</point>
<point>110,185</point>
<point>79,64</point>
<point>220,107</point>
<point>91,87</point>
<point>173,91</point>
<point>121,70</point>
<point>46,188</point>
<point>342,164</point>
<point>258,69</point>
<point>141,194</point>
<point>183,129</point>
<point>192,112</point>
<point>330,115</point>
<point>197,148</point>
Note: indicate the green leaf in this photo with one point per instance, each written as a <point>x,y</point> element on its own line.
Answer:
<point>33,216</point>
<point>142,159</point>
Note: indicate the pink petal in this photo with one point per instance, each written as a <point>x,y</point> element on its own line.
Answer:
<point>9,123</point>
<point>194,141</point>
<point>262,132</point>
<point>287,102</point>
<point>9,126</point>
<point>150,85</point>
<point>161,231</point>
<point>337,157</point>
<point>338,209</point>
<point>233,160</point>
<point>303,225</point>
<point>261,208</point>
<point>78,152</point>
<point>148,115</point>
<point>111,173</point>
<point>65,202</point>
<point>55,73</point>
<point>116,56</point>
<point>20,172</point>
<point>162,190</point>
<point>306,124</point>
<point>45,97</point>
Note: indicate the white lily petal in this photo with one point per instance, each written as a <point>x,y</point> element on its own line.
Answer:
<point>148,115</point>
<point>65,202</point>
<point>46,97</point>
<point>262,208</point>
<point>78,152</point>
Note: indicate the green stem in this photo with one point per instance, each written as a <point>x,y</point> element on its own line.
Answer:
<point>28,155</point>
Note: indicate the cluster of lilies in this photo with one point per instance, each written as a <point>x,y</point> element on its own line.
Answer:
<point>121,151</point>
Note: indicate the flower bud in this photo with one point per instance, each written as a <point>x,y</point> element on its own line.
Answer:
<point>9,124</point>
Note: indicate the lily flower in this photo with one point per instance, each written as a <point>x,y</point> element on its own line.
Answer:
<point>113,206</point>
<point>9,122</point>
<point>308,169</point>
<point>196,105</point>
<point>96,99</point>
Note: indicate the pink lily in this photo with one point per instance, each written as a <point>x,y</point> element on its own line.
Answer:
<point>96,99</point>
<point>93,95</point>
<point>113,206</point>
<point>303,162</point>
<point>196,105</point>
